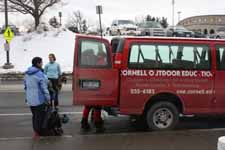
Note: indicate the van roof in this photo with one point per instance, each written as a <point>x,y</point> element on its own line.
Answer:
<point>109,38</point>
<point>167,38</point>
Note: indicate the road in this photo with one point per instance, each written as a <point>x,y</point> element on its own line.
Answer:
<point>121,133</point>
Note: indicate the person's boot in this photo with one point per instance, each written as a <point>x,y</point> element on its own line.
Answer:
<point>85,125</point>
<point>99,127</point>
<point>36,136</point>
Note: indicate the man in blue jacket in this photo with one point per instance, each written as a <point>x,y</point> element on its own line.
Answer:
<point>37,94</point>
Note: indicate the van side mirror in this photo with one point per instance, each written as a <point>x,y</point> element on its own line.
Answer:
<point>114,24</point>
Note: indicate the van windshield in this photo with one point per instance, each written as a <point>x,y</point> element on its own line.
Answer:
<point>151,24</point>
<point>180,28</point>
<point>121,22</point>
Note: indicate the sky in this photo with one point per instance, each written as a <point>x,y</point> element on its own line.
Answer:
<point>129,9</point>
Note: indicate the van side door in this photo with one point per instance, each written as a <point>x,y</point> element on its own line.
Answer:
<point>95,81</point>
<point>158,68</point>
<point>220,79</point>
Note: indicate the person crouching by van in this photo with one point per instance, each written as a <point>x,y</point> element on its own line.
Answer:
<point>37,94</point>
<point>53,72</point>
<point>98,122</point>
<point>101,61</point>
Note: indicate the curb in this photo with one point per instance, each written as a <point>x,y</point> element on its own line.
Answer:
<point>20,88</point>
<point>20,76</point>
<point>11,76</point>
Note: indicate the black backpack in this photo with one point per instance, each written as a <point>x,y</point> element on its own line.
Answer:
<point>52,122</point>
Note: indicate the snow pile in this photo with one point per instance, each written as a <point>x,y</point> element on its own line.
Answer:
<point>25,47</point>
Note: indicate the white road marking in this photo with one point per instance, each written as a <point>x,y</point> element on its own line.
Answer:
<point>29,114</point>
<point>22,91</point>
<point>11,91</point>
<point>186,131</point>
<point>205,130</point>
<point>117,134</point>
<point>30,138</point>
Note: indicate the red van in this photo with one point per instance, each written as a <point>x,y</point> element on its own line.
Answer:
<point>158,78</point>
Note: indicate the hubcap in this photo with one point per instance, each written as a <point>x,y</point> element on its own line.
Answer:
<point>162,118</point>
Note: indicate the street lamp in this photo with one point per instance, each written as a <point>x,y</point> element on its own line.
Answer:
<point>99,11</point>
<point>7,65</point>
<point>173,3</point>
<point>179,12</point>
<point>60,18</point>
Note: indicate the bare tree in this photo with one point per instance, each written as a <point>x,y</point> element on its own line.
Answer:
<point>35,8</point>
<point>77,20</point>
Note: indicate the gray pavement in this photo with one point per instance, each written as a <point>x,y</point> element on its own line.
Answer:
<point>199,133</point>
<point>16,135</point>
<point>17,99</point>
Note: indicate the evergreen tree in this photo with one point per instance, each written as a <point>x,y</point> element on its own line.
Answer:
<point>148,18</point>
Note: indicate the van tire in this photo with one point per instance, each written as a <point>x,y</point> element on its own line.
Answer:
<point>162,116</point>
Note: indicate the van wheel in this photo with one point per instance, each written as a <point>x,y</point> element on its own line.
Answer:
<point>162,116</point>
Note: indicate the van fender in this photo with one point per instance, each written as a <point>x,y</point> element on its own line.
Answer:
<point>165,96</point>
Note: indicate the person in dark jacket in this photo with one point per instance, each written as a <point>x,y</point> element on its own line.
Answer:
<point>37,94</point>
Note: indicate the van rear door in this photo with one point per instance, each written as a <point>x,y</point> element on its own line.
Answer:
<point>95,81</point>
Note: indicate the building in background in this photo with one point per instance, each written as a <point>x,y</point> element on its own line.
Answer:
<point>206,24</point>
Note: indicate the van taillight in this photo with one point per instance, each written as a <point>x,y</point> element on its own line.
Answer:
<point>118,60</point>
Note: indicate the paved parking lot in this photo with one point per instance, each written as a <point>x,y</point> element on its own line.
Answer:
<point>121,133</point>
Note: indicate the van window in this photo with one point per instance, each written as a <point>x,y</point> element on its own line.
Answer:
<point>220,54</point>
<point>156,56</point>
<point>117,45</point>
<point>93,54</point>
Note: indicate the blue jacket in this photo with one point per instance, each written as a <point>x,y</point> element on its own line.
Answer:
<point>52,70</point>
<point>36,87</point>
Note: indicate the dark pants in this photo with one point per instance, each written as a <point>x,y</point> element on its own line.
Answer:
<point>38,113</point>
<point>55,86</point>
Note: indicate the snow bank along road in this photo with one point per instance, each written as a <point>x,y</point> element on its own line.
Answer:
<point>23,48</point>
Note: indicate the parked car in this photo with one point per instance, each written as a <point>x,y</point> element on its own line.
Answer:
<point>14,29</point>
<point>198,34</point>
<point>180,31</point>
<point>73,29</point>
<point>151,28</point>
<point>123,27</point>
<point>220,33</point>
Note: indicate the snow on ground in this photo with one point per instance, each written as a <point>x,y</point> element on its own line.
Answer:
<point>25,47</point>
